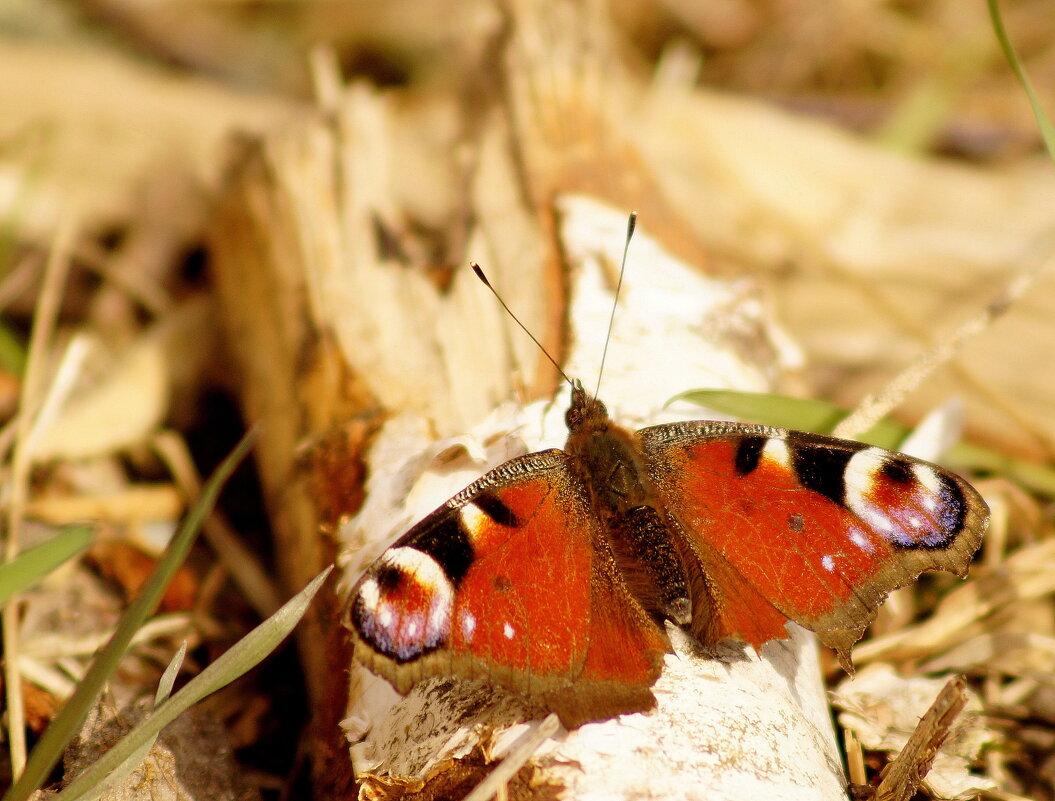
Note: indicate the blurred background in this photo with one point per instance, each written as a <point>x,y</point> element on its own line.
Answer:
<point>872,166</point>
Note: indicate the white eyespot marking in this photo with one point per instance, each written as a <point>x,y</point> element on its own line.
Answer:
<point>409,618</point>
<point>468,625</point>
<point>473,521</point>
<point>861,470</point>
<point>929,479</point>
<point>418,567</point>
<point>370,596</point>
<point>508,631</point>
<point>440,616</point>
<point>874,517</point>
<point>932,484</point>
<point>828,562</point>
<point>385,616</point>
<point>859,481</point>
<point>776,450</point>
<point>860,539</point>
<point>915,522</point>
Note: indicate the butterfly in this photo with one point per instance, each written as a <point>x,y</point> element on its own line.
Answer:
<point>553,574</point>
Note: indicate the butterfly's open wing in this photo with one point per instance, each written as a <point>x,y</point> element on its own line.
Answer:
<point>787,525</point>
<point>511,580</point>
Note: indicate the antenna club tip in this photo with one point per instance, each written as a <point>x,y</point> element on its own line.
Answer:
<point>631,224</point>
<point>479,272</point>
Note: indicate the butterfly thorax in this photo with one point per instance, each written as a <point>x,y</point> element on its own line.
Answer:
<point>609,464</point>
<point>608,460</point>
<point>607,455</point>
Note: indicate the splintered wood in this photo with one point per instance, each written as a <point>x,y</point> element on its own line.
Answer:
<point>919,722</point>
<point>903,776</point>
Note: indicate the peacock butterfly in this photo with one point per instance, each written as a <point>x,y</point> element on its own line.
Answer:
<point>553,574</point>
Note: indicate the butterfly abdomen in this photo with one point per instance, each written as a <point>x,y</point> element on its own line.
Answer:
<point>651,564</point>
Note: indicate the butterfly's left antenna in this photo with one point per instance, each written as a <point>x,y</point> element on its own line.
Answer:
<point>480,274</point>
<point>631,224</point>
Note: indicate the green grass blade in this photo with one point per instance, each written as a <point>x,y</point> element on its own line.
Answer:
<point>12,349</point>
<point>168,678</point>
<point>821,417</point>
<point>241,657</point>
<point>34,563</point>
<point>797,413</point>
<point>1030,475</point>
<point>1047,132</point>
<point>71,717</point>
<point>134,759</point>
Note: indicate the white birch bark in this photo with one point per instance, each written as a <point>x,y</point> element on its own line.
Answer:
<point>731,724</point>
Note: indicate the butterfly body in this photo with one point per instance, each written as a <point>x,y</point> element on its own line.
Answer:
<point>554,573</point>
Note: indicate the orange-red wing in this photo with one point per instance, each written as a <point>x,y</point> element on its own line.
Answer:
<point>786,525</point>
<point>512,580</point>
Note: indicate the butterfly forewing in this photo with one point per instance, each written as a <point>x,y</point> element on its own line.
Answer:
<point>510,580</point>
<point>816,529</point>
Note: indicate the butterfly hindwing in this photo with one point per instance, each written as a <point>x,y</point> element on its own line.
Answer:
<point>787,525</point>
<point>511,580</point>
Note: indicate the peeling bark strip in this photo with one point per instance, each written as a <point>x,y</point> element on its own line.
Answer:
<point>903,776</point>
<point>521,751</point>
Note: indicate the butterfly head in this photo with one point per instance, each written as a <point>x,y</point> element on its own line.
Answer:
<point>585,411</point>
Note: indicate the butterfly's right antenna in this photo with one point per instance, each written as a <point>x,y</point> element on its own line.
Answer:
<point>631,224</point>
<point>480,274</point>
